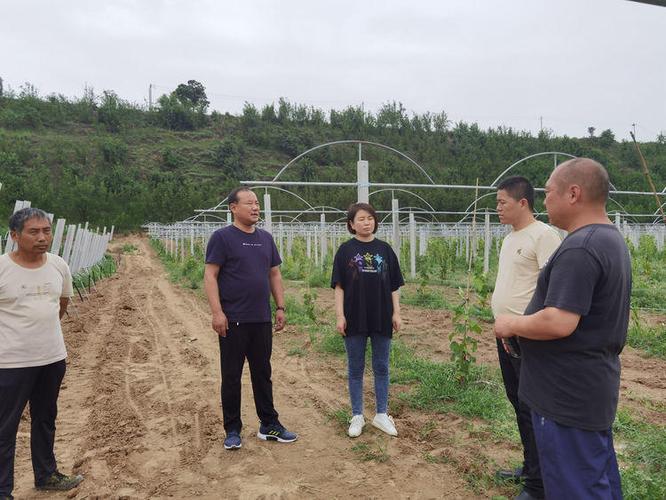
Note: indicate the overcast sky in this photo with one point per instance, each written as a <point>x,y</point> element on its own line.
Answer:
<point>576,63</point>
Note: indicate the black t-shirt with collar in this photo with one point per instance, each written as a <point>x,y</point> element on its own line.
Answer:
<point>575,380</point>
<point>368,272</point>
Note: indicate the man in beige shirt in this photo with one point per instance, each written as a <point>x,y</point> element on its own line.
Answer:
<point>35,288</point>
<point>525,250</point>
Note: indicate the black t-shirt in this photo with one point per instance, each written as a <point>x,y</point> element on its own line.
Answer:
<point>368,272</point>
<point>575,381</point>
<point>245,261</point>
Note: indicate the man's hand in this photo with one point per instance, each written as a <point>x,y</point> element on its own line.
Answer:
<point>397,322</point>
<point>341,326</point>
<point>220,324</point>
<point>504,326</point>
<point>280,320</point>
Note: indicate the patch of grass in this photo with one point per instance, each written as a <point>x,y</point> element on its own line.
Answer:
<point>644,456</point>
<point>367,452</point>
<point>84,280</point>
<point>424,298</point>
<point>437,388</point>
<point>330,341</point>
<point>296,351</point>
<point>128,248</point>
<point>341,417</point>
<point>651,339</point>
<point>189,271</point>
<point>427,429</point>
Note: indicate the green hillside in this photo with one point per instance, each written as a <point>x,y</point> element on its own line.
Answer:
<point>107,161</point>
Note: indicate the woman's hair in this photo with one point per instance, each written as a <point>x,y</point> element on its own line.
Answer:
<point>354,209</point>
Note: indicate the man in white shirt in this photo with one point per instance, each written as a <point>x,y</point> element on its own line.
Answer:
<point>35,288</point>
<point>525,250</point>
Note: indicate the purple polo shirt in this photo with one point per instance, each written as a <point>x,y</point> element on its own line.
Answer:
<point>245,261</point>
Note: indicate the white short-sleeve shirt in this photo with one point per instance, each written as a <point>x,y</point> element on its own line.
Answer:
<point>30,332</point>
<point>522,256</point>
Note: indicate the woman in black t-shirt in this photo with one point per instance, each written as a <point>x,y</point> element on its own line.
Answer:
<point>366,278</point>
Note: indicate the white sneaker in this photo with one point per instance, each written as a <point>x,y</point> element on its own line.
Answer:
<point>385,423</point>
<point>356,426</point>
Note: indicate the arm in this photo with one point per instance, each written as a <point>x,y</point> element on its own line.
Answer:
<point>550,323</point>
<point>396,320</point>
<point>340,320</point>
<point>219,324</point>
<point>64,302</point>
<point>277,290</point>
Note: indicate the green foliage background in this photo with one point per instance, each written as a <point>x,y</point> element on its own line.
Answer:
<point>104,160</point>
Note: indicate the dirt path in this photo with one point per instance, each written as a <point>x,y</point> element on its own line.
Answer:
<point>140,415</point>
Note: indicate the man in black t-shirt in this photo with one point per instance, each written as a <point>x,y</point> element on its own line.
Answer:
<point>571,336</point>
<point>242,271</point>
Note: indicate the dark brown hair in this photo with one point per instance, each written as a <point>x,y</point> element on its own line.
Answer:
<point>354,209</point>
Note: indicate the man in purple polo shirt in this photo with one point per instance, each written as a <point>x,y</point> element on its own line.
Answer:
<point>242,271</point>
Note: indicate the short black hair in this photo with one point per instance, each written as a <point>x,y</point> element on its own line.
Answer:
<point>354,209</point>
<point>233,196</point>
<point>518,188</point>
<point>17,221</point>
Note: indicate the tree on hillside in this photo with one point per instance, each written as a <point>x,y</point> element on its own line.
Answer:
<point>192,94</point>
<point>185,108</point>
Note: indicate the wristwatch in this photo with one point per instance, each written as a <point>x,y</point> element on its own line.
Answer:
<point>280,308</point>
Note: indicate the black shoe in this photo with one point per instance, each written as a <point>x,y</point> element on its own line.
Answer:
<point>514,476</point>
<point>60,482</point>
<point>524,495</point>
<point>276,432</point>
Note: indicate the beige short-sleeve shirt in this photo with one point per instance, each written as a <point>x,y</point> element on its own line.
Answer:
<point>30,332</point>
<point>522,256</point>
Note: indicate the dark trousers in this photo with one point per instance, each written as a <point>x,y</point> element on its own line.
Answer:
<point>253,341</point>
<point>510,374</point>
<point>40,386</point>
<point>576,464</point>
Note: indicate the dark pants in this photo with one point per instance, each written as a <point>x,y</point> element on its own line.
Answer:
<point>253,341</point>
<point>40,386</point>
<point>576,464</point>
<point>510,374</point>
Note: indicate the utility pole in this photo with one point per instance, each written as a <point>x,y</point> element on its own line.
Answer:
<point>150,97</point>
<point>541,124</point>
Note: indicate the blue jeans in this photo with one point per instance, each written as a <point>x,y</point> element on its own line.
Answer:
<point>381,348</point>
<point>576,464</point>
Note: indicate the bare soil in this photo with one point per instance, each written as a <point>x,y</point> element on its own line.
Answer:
<point>139,411</point>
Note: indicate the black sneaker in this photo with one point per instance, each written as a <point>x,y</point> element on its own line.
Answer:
<point>232,441</point>
<point>514,476</point>
<point>276,432</point>
<point>60,482</point>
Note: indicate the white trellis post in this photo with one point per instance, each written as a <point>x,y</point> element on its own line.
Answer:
<point>268,223</point>
<point>423,242</point>
<point>412,245</point>
<point>57,236</point>
<point>486,244</point>
<point>316,247</point>
<point>308,245</point>
<point>395,211</point>
<point>362,180</point>
<point>322,237</point>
